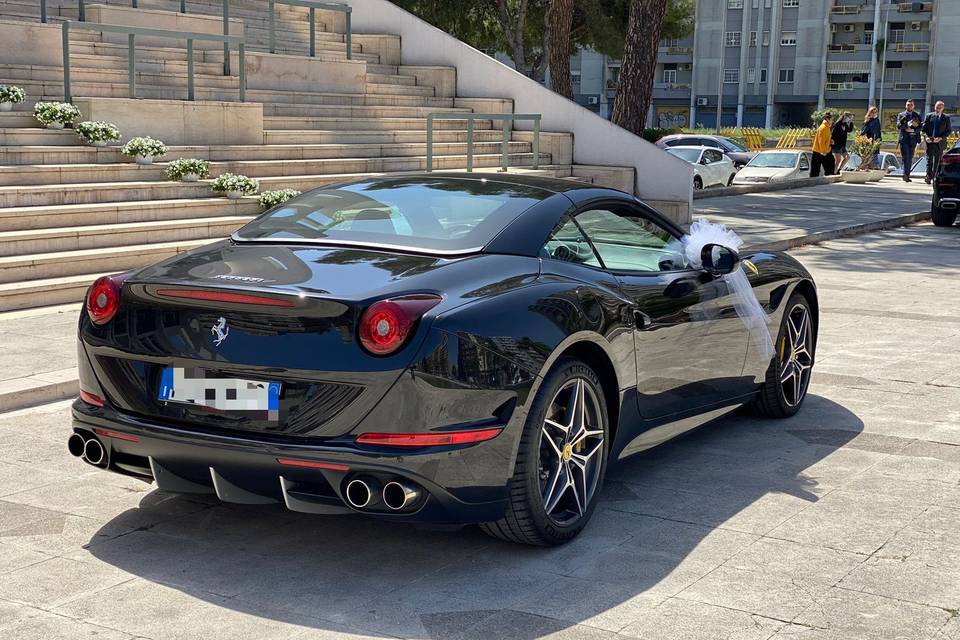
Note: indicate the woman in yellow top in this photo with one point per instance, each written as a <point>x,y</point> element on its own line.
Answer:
<point>822,155</point>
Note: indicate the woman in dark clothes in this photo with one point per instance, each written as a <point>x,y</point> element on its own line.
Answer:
<point>872,129</point>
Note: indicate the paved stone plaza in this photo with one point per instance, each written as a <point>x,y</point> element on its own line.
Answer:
<point>841,523</point>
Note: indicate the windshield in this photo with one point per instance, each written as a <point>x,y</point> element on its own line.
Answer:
<point>774,161</point>
<point>730,145</point>
<point>688,154</point>
<point>434,215</point>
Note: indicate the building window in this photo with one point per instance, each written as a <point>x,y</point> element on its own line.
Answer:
<point>788,39</point>
<point>868,37</point>
<point>897,35</point>
<point>671,42</point>
<point>734,4</point>
<point>731,76</point>
<point>766,38</point>
<point>751,76</point>
<point>733,38</point>
<point>791,3</point>
<point>763,75</point>
<point>670,76</point>
<point>786,75</point>
<point>753,38</point>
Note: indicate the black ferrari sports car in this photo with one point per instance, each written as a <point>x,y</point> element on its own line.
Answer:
<point>438,348</point>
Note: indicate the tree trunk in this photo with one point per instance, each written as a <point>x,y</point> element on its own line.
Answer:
<point>559,21</point>
<point>513,27</point>
<point>635,86</point>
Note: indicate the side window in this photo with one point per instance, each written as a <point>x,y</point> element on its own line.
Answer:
<point>804,162</point>
<point>710,142</point>
<point>567,243</point>
<point>713,155</point>
<point>628,241</point>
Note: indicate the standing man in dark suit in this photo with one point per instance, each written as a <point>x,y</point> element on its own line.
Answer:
<point>936,130</point>
<point>908,124</point>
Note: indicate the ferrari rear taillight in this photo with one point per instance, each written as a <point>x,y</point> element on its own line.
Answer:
<point>951,158</point>
<point>103,298</point>
<point>386,325</point>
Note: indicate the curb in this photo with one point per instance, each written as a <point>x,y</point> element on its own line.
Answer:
<point>41,388</point>
<point>22,393</point>
<point>846,232</point>
<point>765,187</point>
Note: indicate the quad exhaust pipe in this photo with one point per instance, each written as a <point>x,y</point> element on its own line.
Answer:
<point>399,495</point>
<point>366,492</point>
<point>89,448</point>
<point>363,493</point>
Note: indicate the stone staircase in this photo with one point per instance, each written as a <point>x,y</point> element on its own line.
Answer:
<point>69,213</point>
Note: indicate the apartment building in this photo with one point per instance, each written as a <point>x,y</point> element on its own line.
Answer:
<point>772,62</point>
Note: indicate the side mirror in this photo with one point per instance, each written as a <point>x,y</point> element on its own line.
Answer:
<point>704,160</point>
<point>718,260</point>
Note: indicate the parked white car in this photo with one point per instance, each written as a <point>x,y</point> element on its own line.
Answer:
<point>776,165</point>
<point>710,166</point>
<point>888,162</point>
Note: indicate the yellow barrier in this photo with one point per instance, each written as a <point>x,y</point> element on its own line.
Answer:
<point>790,138</point>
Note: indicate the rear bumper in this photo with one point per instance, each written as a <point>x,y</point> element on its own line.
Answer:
<point>455,482</point>
<point>949,203</point>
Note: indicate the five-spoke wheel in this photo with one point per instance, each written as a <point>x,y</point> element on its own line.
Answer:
<point>788,377</point>
<point>561,461</point>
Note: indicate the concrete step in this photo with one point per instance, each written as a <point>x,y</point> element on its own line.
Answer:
<point>49,217</point>
<point>39,241</point>
<point>302,102</point>
<point>337,158</point>
<point>17,119</point>
<point>59,264</point>
<point>299,145</point>
<point>47,292</point>
<point>319,115</point>
<point>16,136</point>
<point>341,168</point>
<point>144,63</point>
<point>349,137</point>
<point>386,78</point>
<point>398,89</point>
<point>385,122</point>
<point>79,75</point>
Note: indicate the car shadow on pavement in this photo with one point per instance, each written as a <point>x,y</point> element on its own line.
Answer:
<point>666,518</point>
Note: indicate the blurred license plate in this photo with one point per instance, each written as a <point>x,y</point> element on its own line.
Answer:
<point>192,386</point>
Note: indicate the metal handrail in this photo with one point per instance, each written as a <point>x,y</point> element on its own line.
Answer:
<point>508,118</point>
<point>132,32</point>
<point>313,5</point>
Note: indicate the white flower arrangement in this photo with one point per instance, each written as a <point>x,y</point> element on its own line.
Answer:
<point>235,186</point>
<point>10,95</point>
<point>145,149</point>
<point>187,169</point>
<point>97,133</point>
<point>55,114</point>
<point>269,199</point>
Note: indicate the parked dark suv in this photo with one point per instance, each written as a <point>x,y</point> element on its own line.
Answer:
<point>946,190</point>
<point>730,148</point>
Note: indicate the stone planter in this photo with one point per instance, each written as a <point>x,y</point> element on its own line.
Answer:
<point>189,177</point>
<point>234,195</point>
<point>6,106</point>
<point>144,159</point>
<point>55,125</point>
<point>856,177</point>
<point>876,175</point>
<point>98,143</point>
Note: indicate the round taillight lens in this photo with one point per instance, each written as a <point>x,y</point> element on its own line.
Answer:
<point>103,299</point>
<point>386,325</point>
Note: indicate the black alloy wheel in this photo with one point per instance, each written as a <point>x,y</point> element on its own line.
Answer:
<point>561,461</point>
<point>788,377</point>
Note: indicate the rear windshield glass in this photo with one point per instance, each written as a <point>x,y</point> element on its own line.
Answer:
<point>688,154</point>
<point>434,215</point>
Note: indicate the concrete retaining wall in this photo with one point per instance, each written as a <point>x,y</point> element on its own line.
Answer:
<point>155,19</point>
<point>26,43</point>
<point>179,122</point>
<point>660,177</point>
<point>299,73</point>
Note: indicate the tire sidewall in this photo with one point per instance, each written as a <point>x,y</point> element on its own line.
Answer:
<point>794,300</point>
<point>565,370</point>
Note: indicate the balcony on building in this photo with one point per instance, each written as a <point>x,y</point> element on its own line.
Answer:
<point>921,11</point>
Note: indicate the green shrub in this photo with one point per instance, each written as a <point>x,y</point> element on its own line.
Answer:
<point>270,199</point>
<point>817,116</point>
<point>12,94</point>
<point>184,166</point>
<point>144,147</point>
<point>49,112</point>
<point>229,182</point>
<point>93,131</point>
